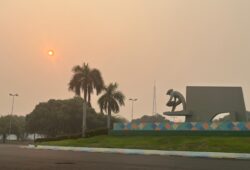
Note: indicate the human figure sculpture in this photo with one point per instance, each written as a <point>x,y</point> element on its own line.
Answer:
<point>176,98</point>
<point>203,103</point>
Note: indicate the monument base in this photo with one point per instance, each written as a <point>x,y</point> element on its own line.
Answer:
<point>185,126</point>
<point>177,113</point>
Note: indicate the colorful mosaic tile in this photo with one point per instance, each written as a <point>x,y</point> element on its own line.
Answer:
<point>217,126</point>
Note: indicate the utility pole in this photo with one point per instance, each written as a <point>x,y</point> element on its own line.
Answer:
<point>12,108</point>
<point>132,110</point>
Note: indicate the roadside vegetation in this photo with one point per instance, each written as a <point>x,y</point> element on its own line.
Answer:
<point>178,143</point>
<point>17,126</point>
<point>64,118</point>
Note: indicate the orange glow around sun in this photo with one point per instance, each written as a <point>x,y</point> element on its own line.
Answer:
<point>51,53</point>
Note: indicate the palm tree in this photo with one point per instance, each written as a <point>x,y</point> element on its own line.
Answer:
<point>111,101</point>
<point>86,80</point>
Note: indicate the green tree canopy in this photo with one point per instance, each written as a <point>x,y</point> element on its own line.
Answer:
<point>62,117</point>
<point>151,119</point>
<point>17,125</point>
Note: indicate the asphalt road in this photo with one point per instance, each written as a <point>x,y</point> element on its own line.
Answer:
<point>12,157</point>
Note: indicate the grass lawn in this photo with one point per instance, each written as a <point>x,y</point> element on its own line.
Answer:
<point>180,143</point>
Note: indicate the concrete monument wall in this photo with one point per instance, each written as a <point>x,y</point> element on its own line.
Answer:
<point>204,103</point>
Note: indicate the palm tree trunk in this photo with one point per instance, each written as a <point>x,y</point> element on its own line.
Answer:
<point>109,120</point>
<point>89,99</point>
<point>84,117</point>
<point>85,95</point>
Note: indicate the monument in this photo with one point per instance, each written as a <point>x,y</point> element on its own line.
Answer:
<point>203,103</point>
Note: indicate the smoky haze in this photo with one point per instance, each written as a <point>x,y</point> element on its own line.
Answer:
<point>134,43</point>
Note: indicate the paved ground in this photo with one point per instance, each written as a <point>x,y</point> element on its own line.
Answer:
<point>14,158</point>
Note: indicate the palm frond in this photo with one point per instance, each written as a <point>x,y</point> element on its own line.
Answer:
<point>97,80</point>
<point>119,96</point>
<point>77,69</point>
<point>111,98</point>
<point>86,80</point>
<point>115,106</point>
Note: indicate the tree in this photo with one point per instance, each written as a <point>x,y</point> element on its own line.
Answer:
<point>56,117</point>
<point>111,101</point>
<point>18,126</point>
<point>86,80</point>
<point>151,119</point>
<point>63,117</point>
<point>4,127</point>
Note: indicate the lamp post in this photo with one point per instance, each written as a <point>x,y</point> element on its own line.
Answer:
<point>12,107</point>
<point>132,101</point>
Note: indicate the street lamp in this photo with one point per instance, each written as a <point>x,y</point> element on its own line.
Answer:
<point>12,107</point>
<point>132,113</point>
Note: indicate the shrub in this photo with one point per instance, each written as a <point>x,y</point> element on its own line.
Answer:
<point>89,133</point>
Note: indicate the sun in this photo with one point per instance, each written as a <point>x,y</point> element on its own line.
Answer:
<point>51,52</point>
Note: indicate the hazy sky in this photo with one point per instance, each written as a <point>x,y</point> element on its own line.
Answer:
<point>132,42</point>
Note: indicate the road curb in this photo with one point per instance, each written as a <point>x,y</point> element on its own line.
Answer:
<point>217,155</point>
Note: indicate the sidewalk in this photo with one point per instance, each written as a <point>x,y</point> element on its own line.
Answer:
<point>217,155</point>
